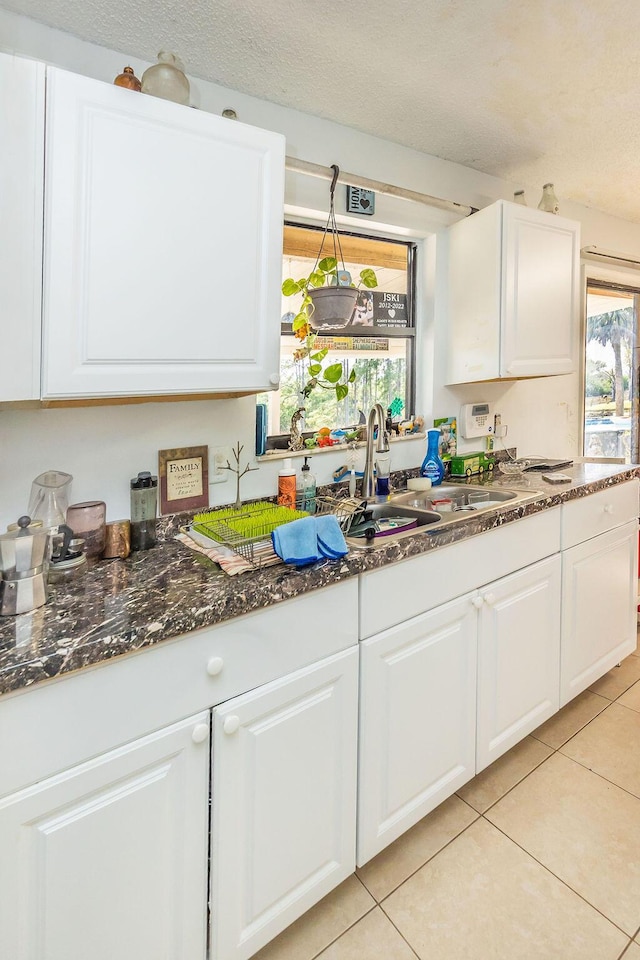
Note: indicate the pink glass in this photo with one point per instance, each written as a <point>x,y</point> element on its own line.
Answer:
<point>87,520</point>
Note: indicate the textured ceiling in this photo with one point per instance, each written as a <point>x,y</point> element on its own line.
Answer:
<point>527,91</point>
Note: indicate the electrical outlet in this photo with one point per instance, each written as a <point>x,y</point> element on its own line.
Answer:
<point>220,456</point>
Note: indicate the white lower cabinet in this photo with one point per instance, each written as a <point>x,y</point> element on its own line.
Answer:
<point>417,720</point>
<point>599,624</point>
<point>518,657</point>
<point>109,859</point>
<point>284,802</point>
<point>445,694</point>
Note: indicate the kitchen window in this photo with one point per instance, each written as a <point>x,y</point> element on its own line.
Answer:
<point>378,342</point>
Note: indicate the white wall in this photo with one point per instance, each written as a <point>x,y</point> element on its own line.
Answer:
<point>104,446</point>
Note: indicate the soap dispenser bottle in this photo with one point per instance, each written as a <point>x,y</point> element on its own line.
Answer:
<point>287,485</point>
<point>432,466</point>
<point>306,492</point>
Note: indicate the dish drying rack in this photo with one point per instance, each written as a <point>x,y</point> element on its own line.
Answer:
<point>247,530</point>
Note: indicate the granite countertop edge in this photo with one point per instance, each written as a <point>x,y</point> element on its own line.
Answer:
<point>119,607</point>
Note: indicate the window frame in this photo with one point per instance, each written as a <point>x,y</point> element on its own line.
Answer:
<point>408,333</point>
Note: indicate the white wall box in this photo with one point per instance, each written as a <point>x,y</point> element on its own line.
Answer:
<point>284,802</point>
<point>21,176</point>
<point>513,294</point>
<point>112,853</point>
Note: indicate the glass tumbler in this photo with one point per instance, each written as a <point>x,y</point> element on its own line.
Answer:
<point>88,520</point>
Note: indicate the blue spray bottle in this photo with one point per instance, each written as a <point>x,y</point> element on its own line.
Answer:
<point>432,466</point>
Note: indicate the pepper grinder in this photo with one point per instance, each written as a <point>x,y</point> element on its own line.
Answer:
<point>144,500</point>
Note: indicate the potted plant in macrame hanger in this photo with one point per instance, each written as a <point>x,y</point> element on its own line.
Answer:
<point>328,300</point>
<point>328,294</point>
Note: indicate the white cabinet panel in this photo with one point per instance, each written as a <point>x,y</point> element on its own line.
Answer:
<point>109,859</point>
<point>284,800</point>
<point>400,591</point>
<point>21,185</point>
<point>417,721</point>
<point>163,246</point>
<point>513,294</point>
<point>540,278</point>
<point>590,516</point>
<point>599,586</point>
<point>518,657</point>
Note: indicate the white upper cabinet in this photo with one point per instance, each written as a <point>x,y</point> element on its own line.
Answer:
<point>513,294</point>
<point>21,178</point>
<point>162,246</point>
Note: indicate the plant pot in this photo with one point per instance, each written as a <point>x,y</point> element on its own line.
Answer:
<point>332,306</point>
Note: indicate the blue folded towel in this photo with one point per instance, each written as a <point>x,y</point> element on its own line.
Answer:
<point>331,542</point>
<point>297,542</point>
<point>309,539</point>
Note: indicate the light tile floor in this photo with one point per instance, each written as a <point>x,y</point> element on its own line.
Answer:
<point>537,858</point>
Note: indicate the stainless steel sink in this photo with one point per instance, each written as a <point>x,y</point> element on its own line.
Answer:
<point>439,507</point>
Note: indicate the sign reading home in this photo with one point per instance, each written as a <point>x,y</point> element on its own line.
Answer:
<point>184,479</point>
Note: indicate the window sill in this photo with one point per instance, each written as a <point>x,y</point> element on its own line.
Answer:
<point>335,448</point>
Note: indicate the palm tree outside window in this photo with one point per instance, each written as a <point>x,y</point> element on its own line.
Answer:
<point>611,359</point>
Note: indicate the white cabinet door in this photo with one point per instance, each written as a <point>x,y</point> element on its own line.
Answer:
<point>21,184</point>
<point>163,246</point>
<point>109,859</point>
<point>417,720</point>
<point>284,802</point>
<point>518,657</point>
<point>513,294</point>
<point>541,292</point>
<point>599,586</point>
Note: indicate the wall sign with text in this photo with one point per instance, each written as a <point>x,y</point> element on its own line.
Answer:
<point>184,479</point>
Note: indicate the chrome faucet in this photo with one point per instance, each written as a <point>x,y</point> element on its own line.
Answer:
<point>382,446</point>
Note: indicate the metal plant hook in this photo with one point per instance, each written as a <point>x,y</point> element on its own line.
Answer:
<point>336,174</point>
<point>331,222</point>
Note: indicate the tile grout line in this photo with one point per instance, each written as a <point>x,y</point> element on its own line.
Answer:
<point>560,880</point>
<point>346,930</point>
<point>428,860</point>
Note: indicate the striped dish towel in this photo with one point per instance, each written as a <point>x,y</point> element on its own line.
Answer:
<point>231,562</point>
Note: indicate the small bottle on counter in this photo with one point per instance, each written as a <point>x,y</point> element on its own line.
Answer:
<point>306,491</point>
<point>287,485</point>
<point>144,501</point>
<point>432,466</point>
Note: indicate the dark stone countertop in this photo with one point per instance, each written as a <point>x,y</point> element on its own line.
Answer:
<point>119,606</point>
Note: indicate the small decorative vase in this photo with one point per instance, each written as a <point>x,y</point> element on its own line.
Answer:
<point>549,201</point>
<point>518,197</point>
<point>166,79</point>
<point>128,80</point>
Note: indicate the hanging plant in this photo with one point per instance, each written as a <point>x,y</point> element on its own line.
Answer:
<point>328,299</point>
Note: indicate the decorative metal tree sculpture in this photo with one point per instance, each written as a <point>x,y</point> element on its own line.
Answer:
<point>238,471</point>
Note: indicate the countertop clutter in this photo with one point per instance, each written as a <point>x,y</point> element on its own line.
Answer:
<point>121,606</point>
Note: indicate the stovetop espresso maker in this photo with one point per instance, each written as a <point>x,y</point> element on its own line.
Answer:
<point>22,569</point>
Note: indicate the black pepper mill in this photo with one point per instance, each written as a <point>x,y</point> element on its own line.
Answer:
<point>144,500</point>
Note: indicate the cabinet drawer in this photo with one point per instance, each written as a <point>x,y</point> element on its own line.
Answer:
<point>595,514</point>
<point>404,590</point>
<point>59,724</point>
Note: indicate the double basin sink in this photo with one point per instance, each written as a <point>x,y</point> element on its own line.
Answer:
<point>434,509</point>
